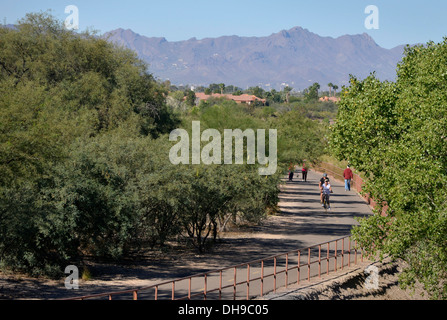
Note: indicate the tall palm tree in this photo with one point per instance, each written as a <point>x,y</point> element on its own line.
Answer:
<point>316,85</point>
<point>330,85</point>
<point>335,87</point>
<point>287,91</point>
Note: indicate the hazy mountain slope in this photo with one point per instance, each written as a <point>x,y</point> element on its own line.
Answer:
<point>297,57</point>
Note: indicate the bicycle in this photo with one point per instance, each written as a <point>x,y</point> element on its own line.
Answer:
<point>326,204</point>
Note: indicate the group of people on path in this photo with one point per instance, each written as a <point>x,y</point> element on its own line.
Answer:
<point>304,170</point>
<point>326,189</point>
<point>324,184</point>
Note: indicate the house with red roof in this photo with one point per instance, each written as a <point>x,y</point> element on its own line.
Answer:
<point>327,99</point>
<point>242,99</point>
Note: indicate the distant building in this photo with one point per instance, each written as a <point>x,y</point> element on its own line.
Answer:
<point>327,99</point>
<point>242,99</point>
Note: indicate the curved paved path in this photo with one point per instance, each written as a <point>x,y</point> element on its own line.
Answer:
<point>301,222</point>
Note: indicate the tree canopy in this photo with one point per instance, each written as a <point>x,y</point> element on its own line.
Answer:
<point>396,134</point>
<point>65,187</point>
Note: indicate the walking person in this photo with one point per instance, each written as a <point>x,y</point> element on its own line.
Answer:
<point>290,175</point>
<point>348,175</point>
<point>304,172</point>
<point>321,184</point>
<point>291,172</point>
<point>327,190</point>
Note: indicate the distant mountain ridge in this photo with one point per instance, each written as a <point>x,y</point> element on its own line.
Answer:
<point>296,57</point>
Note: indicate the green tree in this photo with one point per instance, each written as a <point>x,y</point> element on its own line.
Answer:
<point>64,189</point>
<point>311,93</point>
<point>190,98</point>
<point>335,87</point>
<point>222,88</point>
<point>273,96</point>
<point>287,91</point>
<point>256,91</point>
<point>299,138</point>
<point>220,193</point>
<point>215,88</point>
<point>395,134</point>
<point>330,85</point>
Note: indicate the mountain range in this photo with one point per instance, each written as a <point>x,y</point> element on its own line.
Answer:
<point>295,57</point>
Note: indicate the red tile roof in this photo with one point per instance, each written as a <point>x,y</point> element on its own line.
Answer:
<point>326,98</point>
<point>244,98</point>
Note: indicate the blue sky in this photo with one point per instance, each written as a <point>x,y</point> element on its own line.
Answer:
<point>400,22</point>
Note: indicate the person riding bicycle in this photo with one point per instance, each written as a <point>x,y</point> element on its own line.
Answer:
<point>320,185</point>
<point>327,190</point>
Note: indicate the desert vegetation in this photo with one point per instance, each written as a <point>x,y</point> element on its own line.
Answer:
<point>84,154</point>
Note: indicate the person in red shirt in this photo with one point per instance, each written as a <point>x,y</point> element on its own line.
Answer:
<point>347,174</point>
<point>304,172</point>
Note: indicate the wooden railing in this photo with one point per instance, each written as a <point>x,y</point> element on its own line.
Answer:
<point>251,279</point>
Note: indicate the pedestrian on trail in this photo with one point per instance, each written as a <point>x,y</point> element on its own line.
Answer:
<point>304,172</point>
<point>327,190</point>
<point>348,175</point>
<point>291,169</point>
<point>321,184</point>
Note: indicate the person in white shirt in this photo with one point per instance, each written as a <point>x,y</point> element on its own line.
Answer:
<point>327,190</point>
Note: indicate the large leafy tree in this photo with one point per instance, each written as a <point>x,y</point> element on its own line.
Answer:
<point>217,194</point>
<point>60,195</point>
<point>299,138</point>
<point>311,93</point>
<point>396,134</point>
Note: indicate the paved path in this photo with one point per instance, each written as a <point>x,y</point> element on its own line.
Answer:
<point>302,219</point>
<point>301,223</point>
